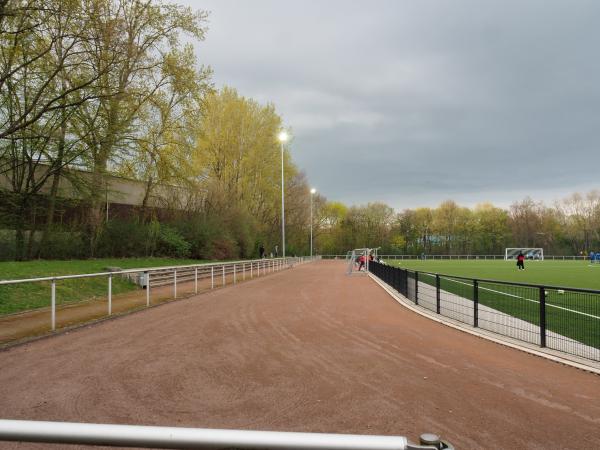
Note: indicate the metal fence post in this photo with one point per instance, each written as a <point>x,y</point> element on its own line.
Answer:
<point>212,277</point>
<point>147,276</point>
<point>174,283</point>
<point>196,279</point>
<point>110,294</point>
<point>53,304</point>
<point>475,303</point>
<point>437,293</point>
<point>542,316</point>
<point>416,288</point>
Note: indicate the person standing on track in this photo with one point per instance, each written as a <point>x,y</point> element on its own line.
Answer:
<point>361,262</point>
<point>521,261</point>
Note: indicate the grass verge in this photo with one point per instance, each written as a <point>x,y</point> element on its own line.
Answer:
<point>27,296</point>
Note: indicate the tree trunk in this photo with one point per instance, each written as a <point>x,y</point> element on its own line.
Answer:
<point>54,188</point>
<point>95,211</point>
<point>20,228</point>
<point>32,229</point>
<point>144,207</point>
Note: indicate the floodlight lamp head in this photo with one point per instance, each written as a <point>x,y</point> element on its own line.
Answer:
<point>283,136</point>
<point>313,191</point>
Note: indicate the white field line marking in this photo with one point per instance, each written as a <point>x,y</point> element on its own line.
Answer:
<point>523,298</point>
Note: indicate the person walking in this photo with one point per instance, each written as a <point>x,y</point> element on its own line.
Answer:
<point>261,251</point>
<point>521,261</point>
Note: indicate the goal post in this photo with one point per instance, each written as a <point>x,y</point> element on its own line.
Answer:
<point>535,253</point>
<point>354,258</point>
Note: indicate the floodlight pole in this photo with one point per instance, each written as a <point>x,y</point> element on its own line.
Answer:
<point>282,205</point>
<point>312,193</point>
<point>311,224</point>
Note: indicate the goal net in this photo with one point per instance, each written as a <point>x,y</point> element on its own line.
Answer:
<point>358,260</point>
<point>529,253</point>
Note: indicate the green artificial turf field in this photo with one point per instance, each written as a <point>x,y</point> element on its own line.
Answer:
<point>569,313</point>
<point>575,274</point>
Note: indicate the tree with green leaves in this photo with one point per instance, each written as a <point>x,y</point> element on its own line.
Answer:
<point>131,43</point>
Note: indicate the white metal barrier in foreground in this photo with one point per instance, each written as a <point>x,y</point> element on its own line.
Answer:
<point>177,437</point>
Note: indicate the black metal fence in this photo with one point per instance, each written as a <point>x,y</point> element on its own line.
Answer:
<point>559,318</point>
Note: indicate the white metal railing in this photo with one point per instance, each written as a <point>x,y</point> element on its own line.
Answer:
<point>178,437</point>
<point>217,272</point>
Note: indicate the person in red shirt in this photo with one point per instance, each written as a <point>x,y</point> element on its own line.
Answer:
<point>361,262</point>
<point>521,261</point>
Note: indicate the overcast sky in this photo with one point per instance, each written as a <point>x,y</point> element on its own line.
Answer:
<point>415,102</point>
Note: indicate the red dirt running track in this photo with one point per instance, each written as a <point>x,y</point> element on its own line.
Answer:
<point>307,349</point>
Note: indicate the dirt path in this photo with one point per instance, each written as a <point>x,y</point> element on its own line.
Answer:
<point>306,350</point>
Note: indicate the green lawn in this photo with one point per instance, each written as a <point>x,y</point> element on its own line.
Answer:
<point>572,314</point>
<point>26,296</point>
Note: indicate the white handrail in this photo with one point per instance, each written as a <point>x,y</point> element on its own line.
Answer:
<point>177,437</point>
<point>144,269</point>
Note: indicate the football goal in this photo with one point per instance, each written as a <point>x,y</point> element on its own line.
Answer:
<point>358,260</point>
<point>529,253</point>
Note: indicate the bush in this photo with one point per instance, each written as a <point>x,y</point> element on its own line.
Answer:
<point>7,244</point>
<point>172,243</point>
<point>123,239</point>
<point>209,238</point>
<point>64,245</point>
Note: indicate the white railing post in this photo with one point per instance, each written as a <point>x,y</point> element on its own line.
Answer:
<point>243,271</point>
<point>234,275</point>
<point>147,288</point>
<point>223,283</point>
<point>212,277</point>
<point>174,283</point>
<point>53,305</point>
<point>110,294</point>
<point>196,279</point>
<point>251,268</point>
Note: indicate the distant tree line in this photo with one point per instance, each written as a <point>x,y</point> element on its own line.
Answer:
<point>570,227</point>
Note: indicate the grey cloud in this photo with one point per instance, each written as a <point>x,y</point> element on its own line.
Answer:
<point>430,100</point>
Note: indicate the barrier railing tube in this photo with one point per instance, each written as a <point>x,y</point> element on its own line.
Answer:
<point>176,437</point>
